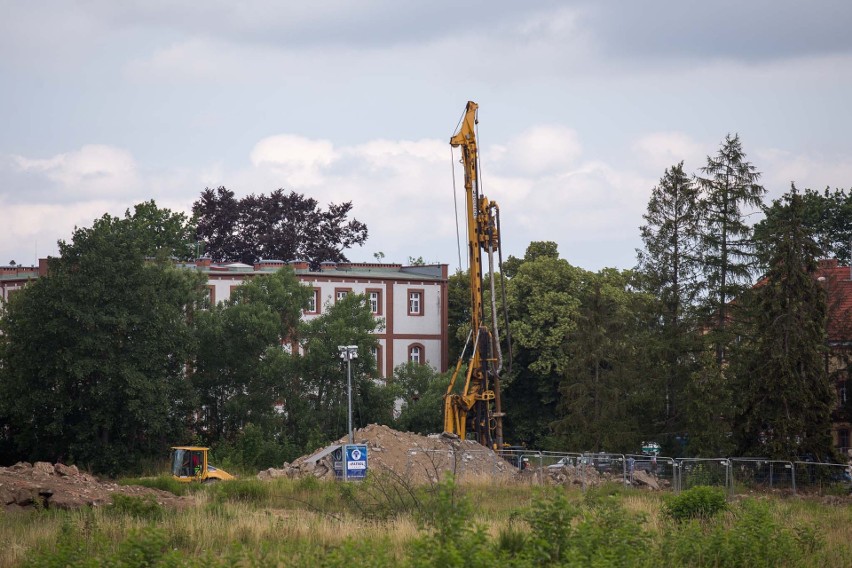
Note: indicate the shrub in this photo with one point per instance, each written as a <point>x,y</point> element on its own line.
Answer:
<point>700,502</point>
<point>452,538</point>
<point>139,507</point>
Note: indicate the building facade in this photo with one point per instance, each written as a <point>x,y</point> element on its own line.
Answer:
<point>410,300</point>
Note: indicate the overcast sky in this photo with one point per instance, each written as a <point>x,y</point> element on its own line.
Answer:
<point>583,104</point>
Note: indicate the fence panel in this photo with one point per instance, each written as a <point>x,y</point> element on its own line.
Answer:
<point>756,474</point>
<point>823,478</point>
<point>703,471</point>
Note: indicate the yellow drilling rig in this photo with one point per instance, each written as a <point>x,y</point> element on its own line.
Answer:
<point>477,409</point>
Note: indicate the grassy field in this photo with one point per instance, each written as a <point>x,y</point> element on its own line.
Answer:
<point>384,522</point>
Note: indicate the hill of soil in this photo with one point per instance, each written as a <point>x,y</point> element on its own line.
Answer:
<point>25,486</point>
<point>415,458</point>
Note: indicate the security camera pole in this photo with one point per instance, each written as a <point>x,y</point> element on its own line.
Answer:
<point>349,352</point>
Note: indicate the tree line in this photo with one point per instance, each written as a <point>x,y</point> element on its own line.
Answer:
<point>714,344</point>
<point>117,353</point>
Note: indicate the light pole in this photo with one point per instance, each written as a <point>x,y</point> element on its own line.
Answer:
<point>349,352</point>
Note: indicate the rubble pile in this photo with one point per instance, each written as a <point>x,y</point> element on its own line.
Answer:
<point>412,457</point>
<point>26,486</point>
<point>588,475</point>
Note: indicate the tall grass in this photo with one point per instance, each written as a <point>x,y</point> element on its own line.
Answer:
<point>308,522</point>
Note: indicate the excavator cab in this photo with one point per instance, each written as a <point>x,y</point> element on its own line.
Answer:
<point>189,463</point>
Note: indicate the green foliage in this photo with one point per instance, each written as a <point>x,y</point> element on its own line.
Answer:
<point>452,537</point>
<point>94,353</point>
<point>251,491</point>
<point>252,450</point>
<point>669,267</point>
<point>729,190</point>
<point>784,395</point>
<point>421,390</point>
<point>700,502</point>
<point>138,507</point>
<point>605,385</point>
<point>826,215</point>
<point>241,370</point>
<point>314,420</point>
<point>754,538</point>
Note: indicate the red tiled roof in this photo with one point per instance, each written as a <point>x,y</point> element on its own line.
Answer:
<point>838,284</point>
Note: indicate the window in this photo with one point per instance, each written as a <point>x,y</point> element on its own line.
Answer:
<point>841,393</point>
<point>843,439</point>
<point>377,355</point>
<point>374,298</point>
<point>313,302</point>
<point>415,302</point>
<point>416,353</point>
<point>340,293</point>
<point>211,296</point>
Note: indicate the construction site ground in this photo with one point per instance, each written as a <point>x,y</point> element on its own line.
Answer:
<point>26,486</point>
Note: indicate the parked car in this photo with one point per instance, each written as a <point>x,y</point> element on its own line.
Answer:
<point>563,462</point>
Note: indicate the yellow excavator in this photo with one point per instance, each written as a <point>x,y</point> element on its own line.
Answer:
<point>477,411</point>
<point>189,463</point>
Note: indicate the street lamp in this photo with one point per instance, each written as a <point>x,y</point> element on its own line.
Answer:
<point>347,353</point>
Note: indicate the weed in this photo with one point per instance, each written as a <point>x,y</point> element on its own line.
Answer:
<point>138,507</point>
<point>699,502</point>
<point>240,490</point>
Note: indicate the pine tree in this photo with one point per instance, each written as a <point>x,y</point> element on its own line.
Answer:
<point>671,270</point>
<point>784,393</point>
<point>729,190</point>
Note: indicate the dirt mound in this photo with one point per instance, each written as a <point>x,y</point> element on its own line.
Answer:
<point>412,457</point>
<point>25,486</point>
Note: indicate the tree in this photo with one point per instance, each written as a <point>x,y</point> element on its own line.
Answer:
<point>285,226</point>
<point>323,374</point>
<point>239,342</point>
<point>604,385</point>
<point>421,391</point>
<point>458,313</point>
<point>729,189</point>
<point>826,214</point>
<point>164,234</point>
<point>543,305</point>
<point>670,269</point>
<point>784,395</point>
<point>94,352</point>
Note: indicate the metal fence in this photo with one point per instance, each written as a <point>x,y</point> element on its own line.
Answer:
<point>737,475</point>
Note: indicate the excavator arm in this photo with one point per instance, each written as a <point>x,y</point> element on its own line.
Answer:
<point>477,407</point>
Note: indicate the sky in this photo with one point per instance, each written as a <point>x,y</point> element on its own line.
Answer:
<point>583,105</point>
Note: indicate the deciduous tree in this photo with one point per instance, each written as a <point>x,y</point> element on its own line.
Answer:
<point>285,226</point>
<point>94,352</point>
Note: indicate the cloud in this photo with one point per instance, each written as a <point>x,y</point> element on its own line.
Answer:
<point>661,150</point>
<point>296,160</point>
<point>92,171</point>
<point>540,150</point>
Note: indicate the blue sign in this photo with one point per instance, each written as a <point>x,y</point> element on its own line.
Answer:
<point>356,461</point>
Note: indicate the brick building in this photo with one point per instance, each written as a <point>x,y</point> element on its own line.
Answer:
<point>837,281</point>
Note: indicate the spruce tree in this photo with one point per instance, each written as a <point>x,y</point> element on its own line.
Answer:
<point>729,191</point>
<point>784,394</point>
<point>671,270</point>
